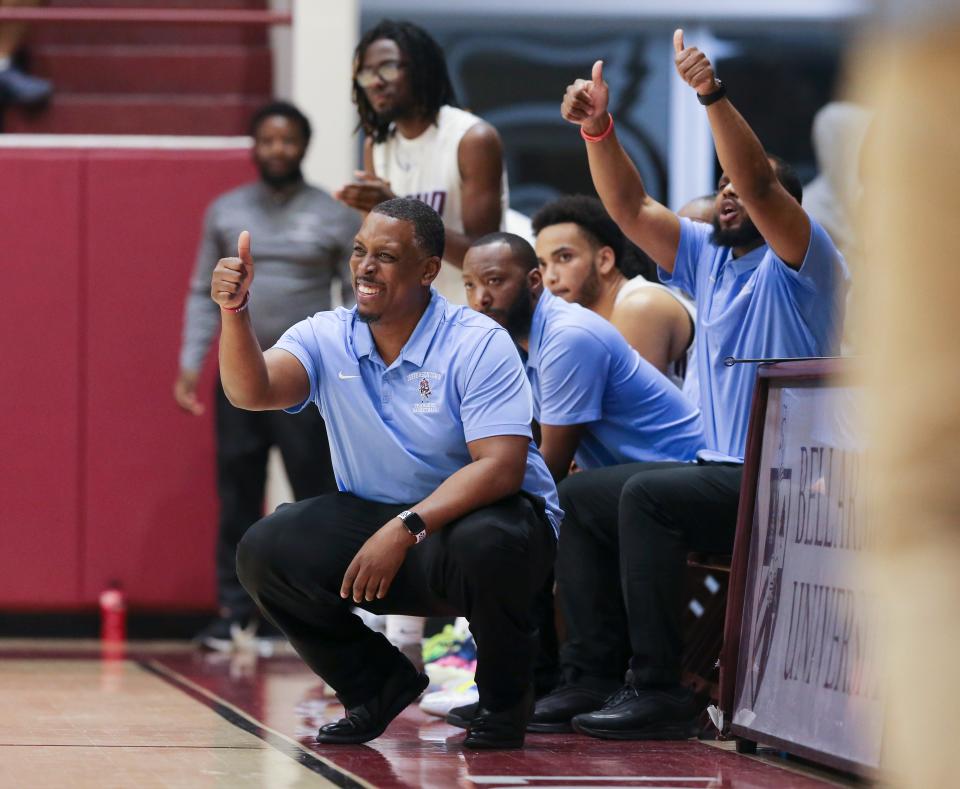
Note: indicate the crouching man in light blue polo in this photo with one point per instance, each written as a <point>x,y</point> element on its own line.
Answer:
<point>445,506</point>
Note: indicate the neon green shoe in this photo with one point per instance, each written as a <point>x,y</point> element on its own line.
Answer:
<point>441,643</point>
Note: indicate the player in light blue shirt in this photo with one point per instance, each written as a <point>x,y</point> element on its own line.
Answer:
<point>446,507</point>
<point>752,304</point>
<point>767,282</point>
<point>595,398</point>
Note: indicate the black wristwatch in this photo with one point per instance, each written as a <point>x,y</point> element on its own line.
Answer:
<point>710,98</point>
<point>414,524</point>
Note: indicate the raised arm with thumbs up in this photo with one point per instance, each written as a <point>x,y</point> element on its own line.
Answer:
<point>585,102</point>
<point>778,216</point>
<point>650,225</point>
<point>252,379</point>
<point>747,169</point>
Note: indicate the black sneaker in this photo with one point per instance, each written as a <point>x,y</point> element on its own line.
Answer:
<point>670,713</point>
<point>462,716</point>
<point>499,730</point>
<point>553,713</point>
<point>369,720</point>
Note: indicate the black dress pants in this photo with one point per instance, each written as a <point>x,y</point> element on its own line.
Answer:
<point>621,559</point>
<point>486,566</point>
<point>244,439</point>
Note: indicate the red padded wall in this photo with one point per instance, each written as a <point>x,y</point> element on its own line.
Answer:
<point>102,477</point>
<point>151,509</point>
<point>40,278</point>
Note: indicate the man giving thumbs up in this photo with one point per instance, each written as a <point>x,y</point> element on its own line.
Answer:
<point>768,282</point>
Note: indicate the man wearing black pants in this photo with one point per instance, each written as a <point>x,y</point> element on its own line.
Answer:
<point>768,282</point>
<point>478,566</point>
<point>445,504</point>
<point>626,532</point>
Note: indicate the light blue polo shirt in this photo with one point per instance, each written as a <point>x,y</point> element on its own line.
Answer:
<point>397,432</point>
<point>583,371</point>
<point>754,307</point>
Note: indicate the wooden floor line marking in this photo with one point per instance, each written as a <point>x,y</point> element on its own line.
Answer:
<point>242,720</point>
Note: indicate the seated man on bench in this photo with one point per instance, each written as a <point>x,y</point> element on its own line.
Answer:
<point>768,282</point>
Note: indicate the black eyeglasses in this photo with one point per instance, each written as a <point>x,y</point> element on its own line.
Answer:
<point>388,71</point>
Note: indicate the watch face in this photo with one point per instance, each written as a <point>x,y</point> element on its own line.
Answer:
<point>413,527</point>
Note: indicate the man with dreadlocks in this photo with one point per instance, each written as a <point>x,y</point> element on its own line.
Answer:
<point>420,144</point>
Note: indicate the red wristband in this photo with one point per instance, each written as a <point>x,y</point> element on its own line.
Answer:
<point>599,137</point>
<point>243,304</point>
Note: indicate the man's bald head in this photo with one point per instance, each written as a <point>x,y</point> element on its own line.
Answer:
<point>522,254</point>
<point>700,209</point>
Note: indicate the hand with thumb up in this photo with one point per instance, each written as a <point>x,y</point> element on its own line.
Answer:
<point>585,102</point>
<point>693,66</point>
<point>232,277</point>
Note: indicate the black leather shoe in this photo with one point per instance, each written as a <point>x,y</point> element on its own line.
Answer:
<point>368,720</point>
<point>670,713</point>
<point>553,713</point>
<point>505,729</point>
<point>462,716</point>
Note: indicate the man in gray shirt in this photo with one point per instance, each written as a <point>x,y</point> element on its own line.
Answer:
<point>304,240</point>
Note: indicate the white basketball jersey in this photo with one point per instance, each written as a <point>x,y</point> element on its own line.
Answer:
<point>678,369</point>
<point>634,284</point>
<point>428,168</point>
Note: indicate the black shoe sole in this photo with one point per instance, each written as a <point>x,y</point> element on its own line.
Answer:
<point>658,731</point>
<point>404,700</point>
<point>492,745</point>
<point>550,728</point>
<point>456,720</point>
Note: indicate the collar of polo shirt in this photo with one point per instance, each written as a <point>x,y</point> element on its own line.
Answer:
<point>747,263</point>
<point>415,348</point>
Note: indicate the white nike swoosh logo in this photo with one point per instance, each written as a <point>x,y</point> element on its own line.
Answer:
<point>346,377</point>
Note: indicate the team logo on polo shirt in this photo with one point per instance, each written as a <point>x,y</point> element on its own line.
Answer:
<point>427,403</point>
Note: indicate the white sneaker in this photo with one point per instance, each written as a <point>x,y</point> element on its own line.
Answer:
<point>376,622</point>
<point>402,631</point>
<point>442,701</point>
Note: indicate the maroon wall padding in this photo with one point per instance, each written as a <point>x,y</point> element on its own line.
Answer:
<point>138,501</point>
<point>40,273</point>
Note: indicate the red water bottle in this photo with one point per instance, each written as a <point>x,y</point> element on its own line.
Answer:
<point>113,614</point>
